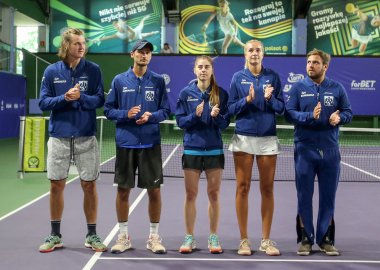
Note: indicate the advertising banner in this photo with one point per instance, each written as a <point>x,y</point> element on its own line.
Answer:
<point>360,76</point>
<point>343,27</point>
<point>12,103</point>
<point>222,27</point>
<point>110,26</point>
<point>34,144</point>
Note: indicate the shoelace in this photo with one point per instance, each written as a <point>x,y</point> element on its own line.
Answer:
<point>244,243</point>
<point>155,239</point>
<point>188,240</point>
<point>94,239</point>
<point>269,243</point>
<point>122,240</point>
<point>51,238</point>
<point>214,241</point>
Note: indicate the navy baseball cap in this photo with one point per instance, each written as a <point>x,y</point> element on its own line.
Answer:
<point>142,43</point>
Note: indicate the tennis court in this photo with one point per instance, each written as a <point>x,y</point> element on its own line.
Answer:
<point>356,220</point>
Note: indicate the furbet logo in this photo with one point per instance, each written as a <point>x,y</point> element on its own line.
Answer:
<point>294,77</point>
<point>363,85</point>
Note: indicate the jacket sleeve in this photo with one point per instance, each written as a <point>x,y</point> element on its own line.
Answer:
<point>111,106</point>
<point>92,102</point>
<point>183,119</point>
<point>48,100</point>
<point>276,102</point>
<point>236,105</point>
<point>344,108</point>
<point>293,113</point>
<point>223,118</point>
<point>163,110</point>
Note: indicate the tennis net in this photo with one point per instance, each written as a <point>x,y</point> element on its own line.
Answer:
<point>360,152</point>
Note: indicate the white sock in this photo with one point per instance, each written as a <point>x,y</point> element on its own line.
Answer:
<point>123,228</point>
<point>153,228</point>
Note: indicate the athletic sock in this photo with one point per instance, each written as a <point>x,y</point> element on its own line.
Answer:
<point>91,228</point>
<point>123,227</point>
<point>153,228</point>
<point>55,227</point>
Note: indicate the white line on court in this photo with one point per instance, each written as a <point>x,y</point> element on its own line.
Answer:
<point>33,201</point>
<point>241,260</point>
<point>115,229</point>
<point>361,170</point>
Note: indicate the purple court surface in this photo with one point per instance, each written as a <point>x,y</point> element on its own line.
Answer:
<point>357,222</point>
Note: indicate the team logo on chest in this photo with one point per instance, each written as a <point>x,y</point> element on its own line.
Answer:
<point>83,85</point>
<point>149,95</point>
<point>328,100</point>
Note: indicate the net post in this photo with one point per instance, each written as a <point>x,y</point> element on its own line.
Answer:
<point>20,171</point>
<point>101,138</point>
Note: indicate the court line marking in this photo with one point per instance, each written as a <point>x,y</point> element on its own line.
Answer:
<point>115,229</point>
<point>361,170</point>
<point>33,201</point>
<point>243,260</point>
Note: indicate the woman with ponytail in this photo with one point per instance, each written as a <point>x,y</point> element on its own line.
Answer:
<point>202,113</point>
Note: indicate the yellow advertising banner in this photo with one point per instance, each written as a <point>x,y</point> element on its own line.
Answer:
<point>34,144</point>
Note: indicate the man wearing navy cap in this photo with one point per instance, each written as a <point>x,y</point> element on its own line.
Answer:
<point>138,102</point>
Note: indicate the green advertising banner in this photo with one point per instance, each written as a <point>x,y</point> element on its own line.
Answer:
<point>344,27</point>
<point>222,27</point>
<point>34,145</point>
<point>110,26</point>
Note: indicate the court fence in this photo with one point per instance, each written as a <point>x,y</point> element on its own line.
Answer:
<point>359,147</point>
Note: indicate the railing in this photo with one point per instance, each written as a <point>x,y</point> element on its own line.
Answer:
<point>11,59</point>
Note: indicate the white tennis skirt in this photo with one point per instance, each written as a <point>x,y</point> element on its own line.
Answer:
<point>268,145</point>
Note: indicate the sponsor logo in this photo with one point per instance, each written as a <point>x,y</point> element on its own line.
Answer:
<point>33,162</point>
<point>166,78</point>
<point>149,95</point>
<point>294,77</point>
<point>328,101</point>
<point>245,82</point>
<point>125,89</point>
<point>305,94</point>
<point>287,88</point>
<point>58,80</point>
<point>190,98</point>
<point>363,85</point>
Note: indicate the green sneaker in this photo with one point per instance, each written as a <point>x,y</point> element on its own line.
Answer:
<point>188,244</point>
<point>51,242</point>
<point>214,244</point>
<point>94,242</point>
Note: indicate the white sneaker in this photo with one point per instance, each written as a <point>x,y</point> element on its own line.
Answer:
<point>244,247</point>
<point>154,244</point>
<point>269,247</point>
<point>123,243</point>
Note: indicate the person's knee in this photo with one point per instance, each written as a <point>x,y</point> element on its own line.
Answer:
<point>154,194</point>
<point>57,187</point>
<point>191,195</point>
<point>266,190</point>
<point>242,189</point>
<point>123,194</point>
<point>213,195</point>
<point>89,187</point>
